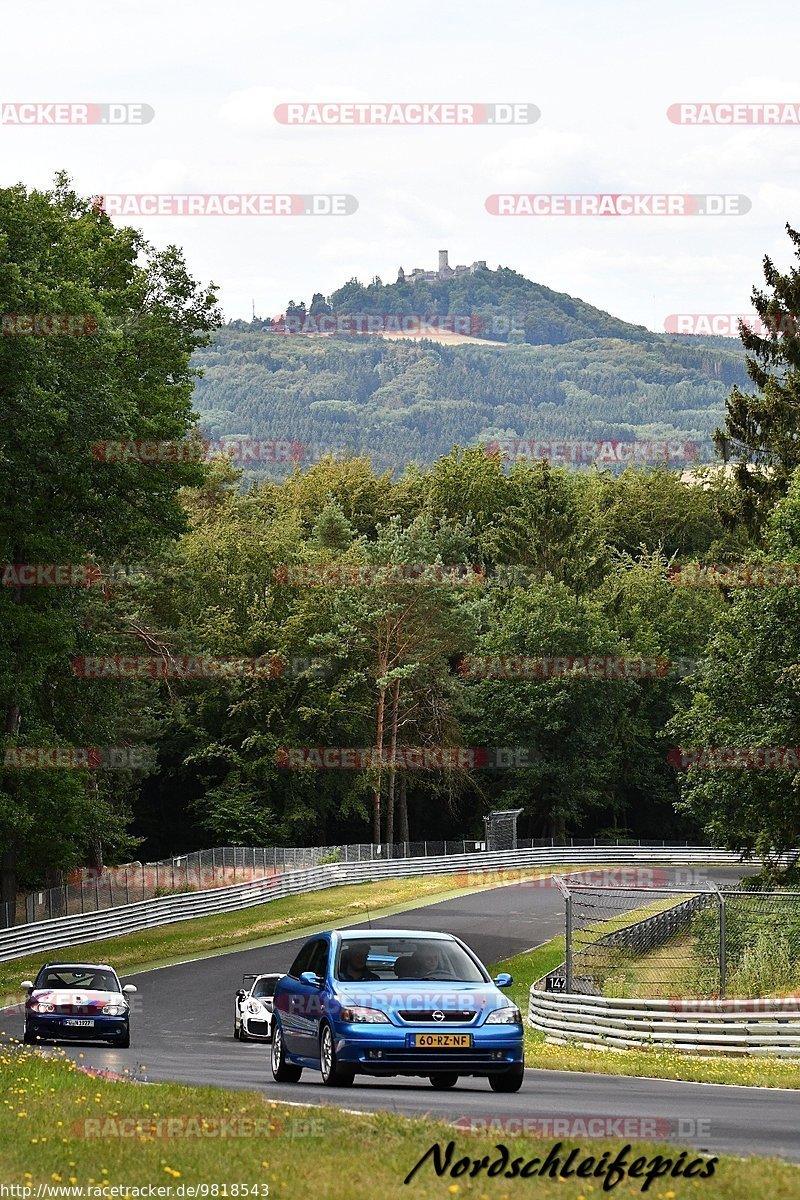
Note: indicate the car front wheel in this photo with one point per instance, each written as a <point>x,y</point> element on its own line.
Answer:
<point>443,1081</point>
<point>507,1081</point>
<point>333,1075</point>
<point>282,1070</point>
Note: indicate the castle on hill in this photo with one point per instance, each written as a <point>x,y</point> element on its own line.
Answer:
<point>445,270</point>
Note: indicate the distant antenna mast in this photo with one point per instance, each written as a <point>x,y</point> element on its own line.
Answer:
<point>254,309</point>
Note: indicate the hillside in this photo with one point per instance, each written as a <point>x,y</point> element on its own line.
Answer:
<point>565,370</point>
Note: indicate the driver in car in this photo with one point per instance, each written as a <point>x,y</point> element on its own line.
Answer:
<point>353,964</point>
<point>428,962</point>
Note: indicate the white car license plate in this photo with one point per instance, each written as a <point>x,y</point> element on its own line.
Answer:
<point>75,1021</point>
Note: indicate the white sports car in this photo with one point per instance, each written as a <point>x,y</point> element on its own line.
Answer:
<point>252,1018</point>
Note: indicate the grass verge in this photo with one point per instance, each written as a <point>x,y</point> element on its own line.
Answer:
<point>60,1128</point>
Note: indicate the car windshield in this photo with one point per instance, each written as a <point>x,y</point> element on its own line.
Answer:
<point>78,978</point>
<point>362,959</point>
<point>263,987</point>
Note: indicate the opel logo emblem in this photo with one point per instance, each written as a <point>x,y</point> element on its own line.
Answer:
<point>438,1015</point>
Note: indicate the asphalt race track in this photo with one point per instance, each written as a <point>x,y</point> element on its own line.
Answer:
<point>182,1029</point>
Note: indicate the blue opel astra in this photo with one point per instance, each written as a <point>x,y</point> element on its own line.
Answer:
<point>394,1002</point>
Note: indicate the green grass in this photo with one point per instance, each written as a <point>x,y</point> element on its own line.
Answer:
<point>59,1126</point>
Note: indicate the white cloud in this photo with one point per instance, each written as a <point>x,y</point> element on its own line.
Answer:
<point>214,75</point>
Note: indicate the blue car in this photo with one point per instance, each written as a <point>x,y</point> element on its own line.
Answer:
<point>77,1000</point>
<point>394,1002</point>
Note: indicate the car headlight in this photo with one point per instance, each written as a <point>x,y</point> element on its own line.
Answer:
<point>113,1010</point>
<point>358,1015</point>
<point>510,1015</point>
<point>41,1007</point>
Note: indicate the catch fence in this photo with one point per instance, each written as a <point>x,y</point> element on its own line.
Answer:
<point>670,942</point>
<point>88,891</point>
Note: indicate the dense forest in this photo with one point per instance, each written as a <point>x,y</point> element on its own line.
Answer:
<point>564,370</point>
<point>433,631</point>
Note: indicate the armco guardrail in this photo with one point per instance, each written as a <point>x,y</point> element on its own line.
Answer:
<point>164,910</point>
<point>654,931</point>
<point>738,1027</point>
<point>90,889</point>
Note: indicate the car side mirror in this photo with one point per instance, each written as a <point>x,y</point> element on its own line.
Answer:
<point>503,980</point>
<point>130,987</point>
<point>27,984</point>
<point>240,995</point>
<point>309,978</point>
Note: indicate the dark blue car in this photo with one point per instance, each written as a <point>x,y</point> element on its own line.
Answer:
<point>77,1000</point>
<point>394,1002</point>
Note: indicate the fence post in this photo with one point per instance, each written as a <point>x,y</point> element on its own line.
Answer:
<point>558,880</point>
<point>723,956</point>
<point>568,940</point>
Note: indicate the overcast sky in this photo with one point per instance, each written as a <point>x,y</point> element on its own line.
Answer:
<point>602,74</point>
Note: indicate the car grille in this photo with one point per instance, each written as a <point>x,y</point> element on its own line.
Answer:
<point>258,1027</point>
<point>74,1010</point>
<point>414,1017</point>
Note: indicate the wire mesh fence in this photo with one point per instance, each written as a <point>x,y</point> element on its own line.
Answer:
<point>92,891</point>
<point>670,942</point>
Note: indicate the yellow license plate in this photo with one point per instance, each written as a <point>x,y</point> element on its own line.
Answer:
<point>442,1041</point>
